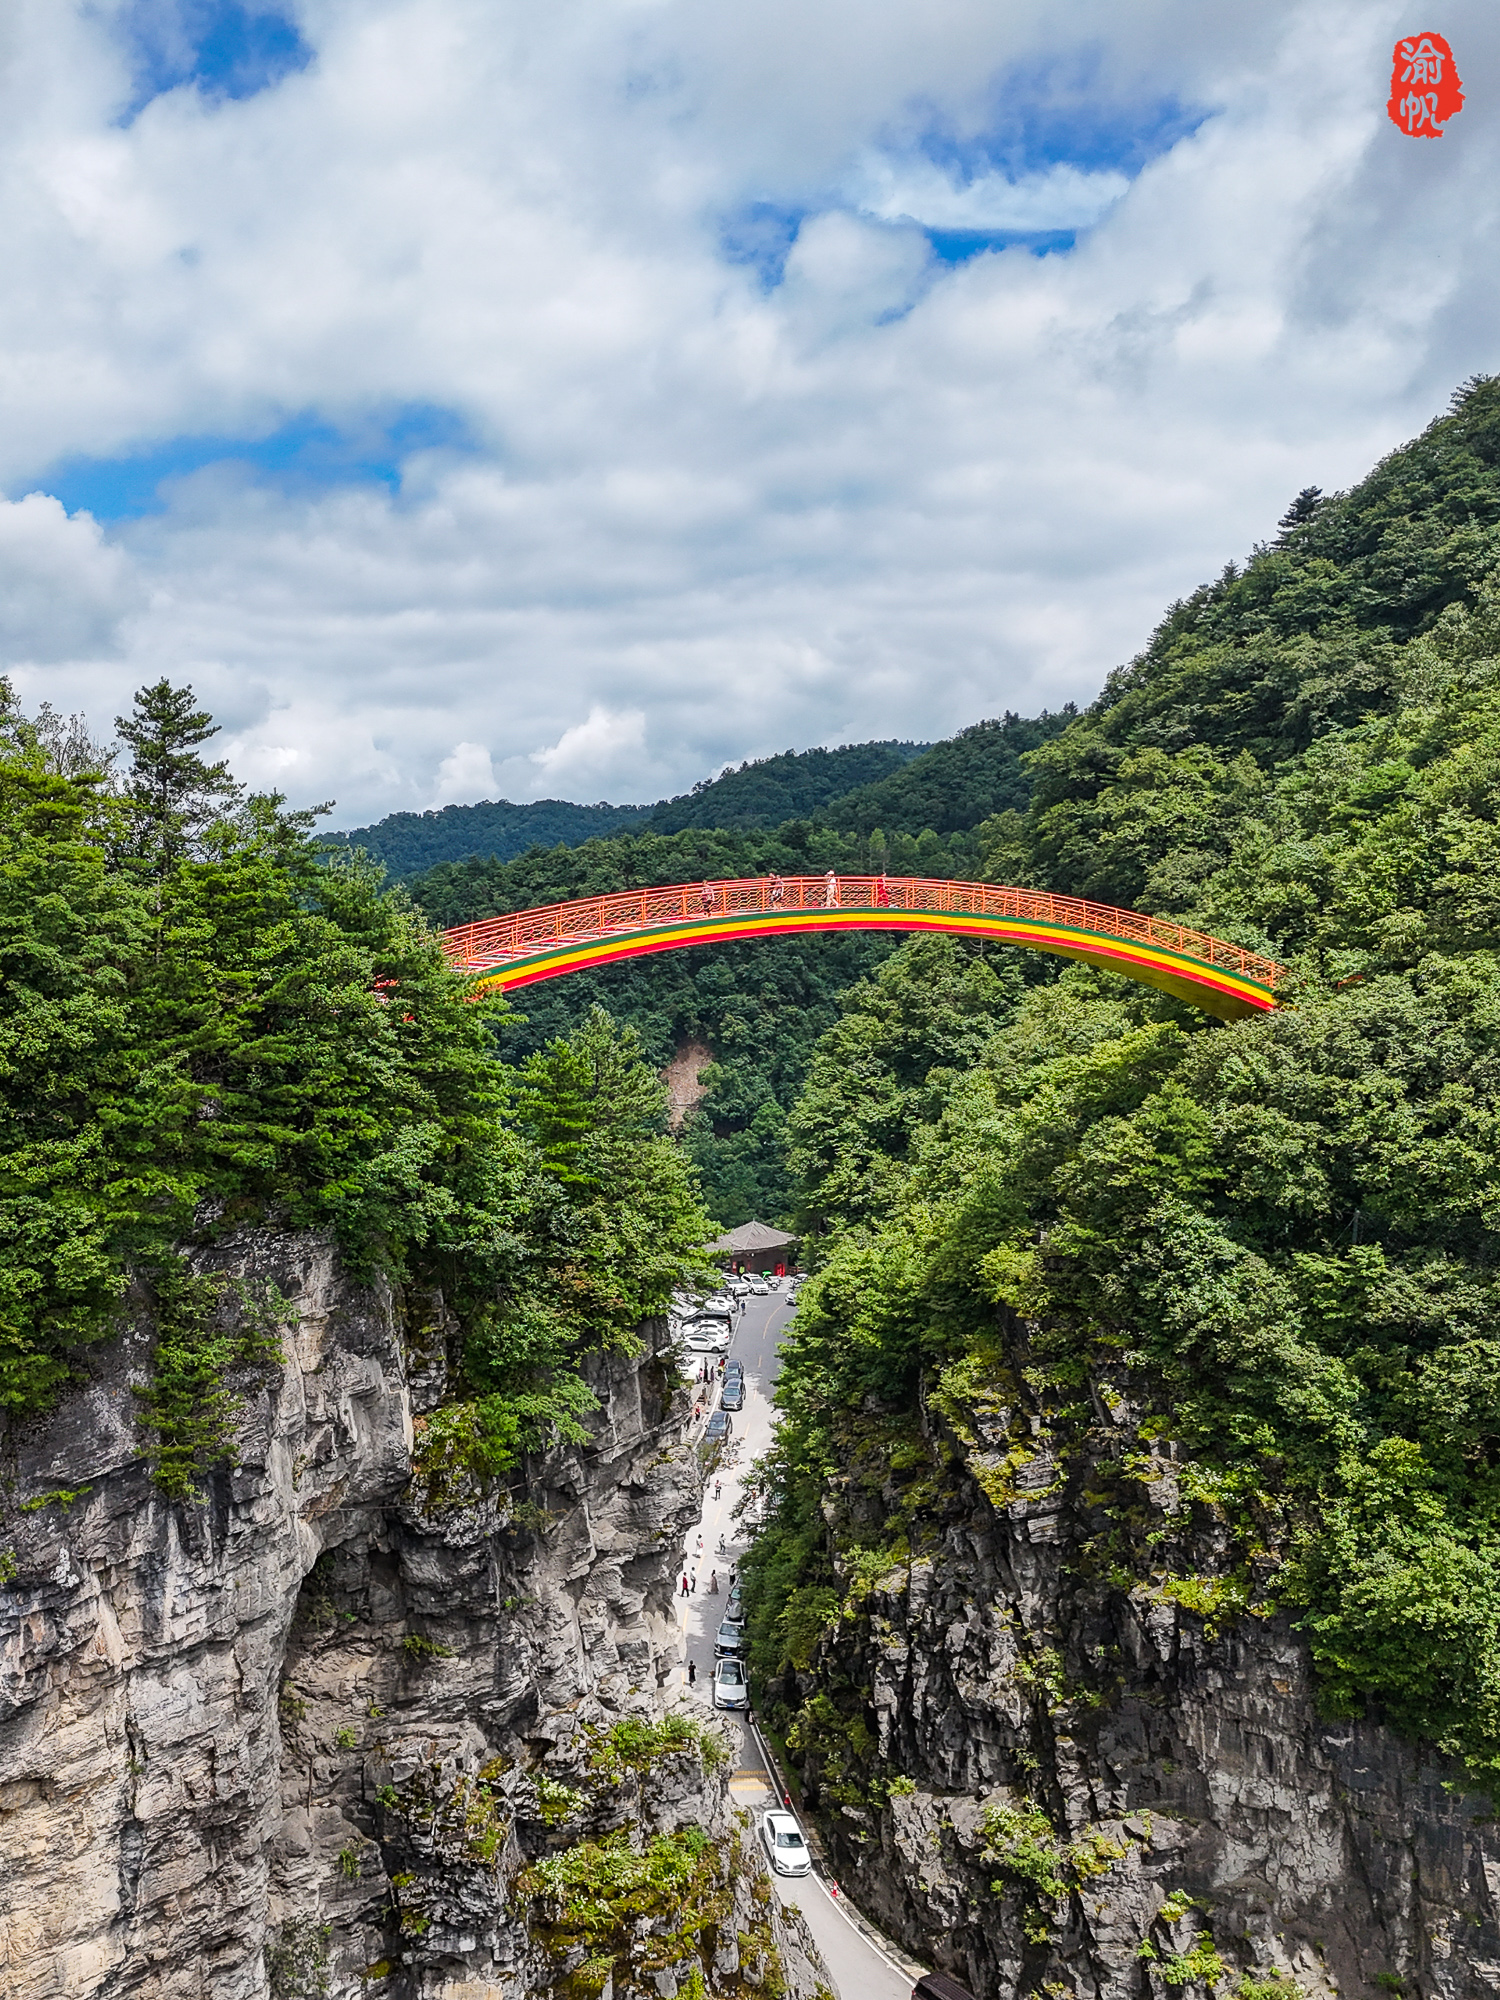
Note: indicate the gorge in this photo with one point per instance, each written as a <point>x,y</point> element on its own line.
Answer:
<point>310,1736</point>
<point>1123,1603</point>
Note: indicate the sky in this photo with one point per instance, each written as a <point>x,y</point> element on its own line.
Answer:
<point>472,399</point>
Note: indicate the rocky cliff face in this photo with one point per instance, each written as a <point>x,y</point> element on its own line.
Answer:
<point>308,1738</point>
<point>1056,1749</point>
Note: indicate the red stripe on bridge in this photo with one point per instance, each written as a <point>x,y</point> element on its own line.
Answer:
<point>558,938</point>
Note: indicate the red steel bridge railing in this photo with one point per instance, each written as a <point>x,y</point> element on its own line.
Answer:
<point>497,941</point>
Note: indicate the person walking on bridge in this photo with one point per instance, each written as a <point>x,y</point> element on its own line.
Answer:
<point>882,892</point>
<point>778,891</point>
<point>830,891</point>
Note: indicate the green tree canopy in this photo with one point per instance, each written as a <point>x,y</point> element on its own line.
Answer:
<point>205,1023</point>
<point>1288,1228</point>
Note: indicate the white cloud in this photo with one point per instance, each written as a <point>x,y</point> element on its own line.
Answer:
<point>843,274</point>
<point>464,776</point>
<point>606,748</point>
<point>917,190</point>
<point>63,589</point>
<point>713,516</point>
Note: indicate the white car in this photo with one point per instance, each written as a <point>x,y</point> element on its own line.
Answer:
<point>709,1336</point>
<point>731,1688</point>
<point>758,1287</point>
<point>781,1837</point>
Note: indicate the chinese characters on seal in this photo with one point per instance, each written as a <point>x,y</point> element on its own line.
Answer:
<point>1425,87</point>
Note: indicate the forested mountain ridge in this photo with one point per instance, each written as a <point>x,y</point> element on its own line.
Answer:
<point>1172,763</point>
<point>903,788</point>
<point>761,793</point>
<point>406,843</point>
<point>956,784</point>
<point>758,1007</point>
<point>769,791</point>
<point>1081,1249</point>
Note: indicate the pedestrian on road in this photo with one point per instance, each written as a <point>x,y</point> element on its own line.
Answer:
<point>713,1583</point>
<point>692,1672</point>
<point>695,1583</point>
<point>732,1575</point>
<point>830,891</point>
<point>684,1583</point>
<point>700,1545</point>
<point>721,1545</point>
<point>718,1488</point>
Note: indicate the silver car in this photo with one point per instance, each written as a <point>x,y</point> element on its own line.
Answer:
<point>781,1837</point>
<point>731,1688</point>
<point>729,1639</point>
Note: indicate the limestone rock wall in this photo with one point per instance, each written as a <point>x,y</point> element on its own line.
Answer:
<point>298,1738</point>
<point>1054,1779</point>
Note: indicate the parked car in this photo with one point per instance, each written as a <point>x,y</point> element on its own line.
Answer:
<point>720,1424</point>
<point>732,1396</point>
<point>730,1639</point>
<point>709,1336</point>
<point>781,1837</point>
<point>731,1688</point>
<point>734,1610</point>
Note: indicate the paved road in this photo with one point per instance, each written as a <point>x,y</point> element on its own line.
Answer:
<point>860,1970</point>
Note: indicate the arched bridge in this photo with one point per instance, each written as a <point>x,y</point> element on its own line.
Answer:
<point>517,950</point>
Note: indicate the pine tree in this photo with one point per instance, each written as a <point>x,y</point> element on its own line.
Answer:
<point>1301,511</point>
<point>173,795</point>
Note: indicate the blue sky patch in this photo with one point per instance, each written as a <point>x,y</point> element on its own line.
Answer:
<point>225,48</point>
<point>307,454</point>
<point>957,246</point>
<point>1055,156</point>
<point>761,235</point>
<point>1042,120</point>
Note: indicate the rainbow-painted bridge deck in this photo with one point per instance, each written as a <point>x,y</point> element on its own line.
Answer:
<point>560,938</point>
